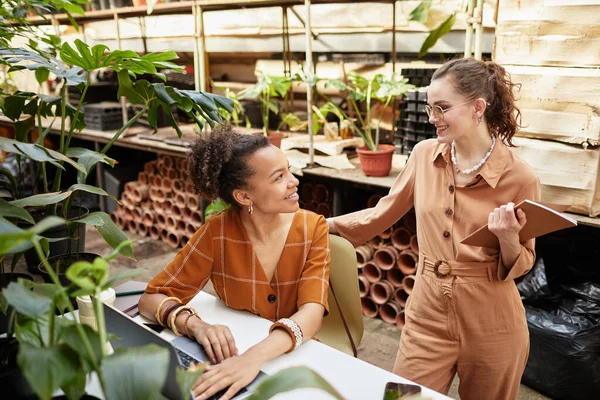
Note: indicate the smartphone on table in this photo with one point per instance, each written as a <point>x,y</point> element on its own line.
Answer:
<point>394,391</point>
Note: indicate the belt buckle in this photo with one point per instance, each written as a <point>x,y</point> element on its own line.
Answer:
<point>436,269</point>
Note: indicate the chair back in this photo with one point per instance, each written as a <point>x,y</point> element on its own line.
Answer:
<point>343,328</point>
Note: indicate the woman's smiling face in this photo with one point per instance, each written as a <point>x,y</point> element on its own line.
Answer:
<point>272,188</point>
<point>454,117</point>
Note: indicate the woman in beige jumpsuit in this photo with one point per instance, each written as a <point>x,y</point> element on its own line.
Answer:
<point>465,314</point>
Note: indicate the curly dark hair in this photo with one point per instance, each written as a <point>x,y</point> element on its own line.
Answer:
<point>490,81</point>
<point>218,162</point>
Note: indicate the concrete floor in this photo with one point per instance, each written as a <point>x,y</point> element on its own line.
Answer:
<point>380,341</point>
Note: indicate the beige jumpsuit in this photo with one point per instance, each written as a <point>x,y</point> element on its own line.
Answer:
<point>472,321</point>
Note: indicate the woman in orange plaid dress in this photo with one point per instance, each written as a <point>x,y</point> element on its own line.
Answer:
<point>263,255</point>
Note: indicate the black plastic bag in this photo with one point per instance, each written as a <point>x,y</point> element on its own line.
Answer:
<point>534,286</point>
<point>564,360</point>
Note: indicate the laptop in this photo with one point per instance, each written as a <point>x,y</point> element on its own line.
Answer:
<point>182,351</point>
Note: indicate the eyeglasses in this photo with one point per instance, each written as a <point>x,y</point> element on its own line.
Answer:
<point>438,112</point>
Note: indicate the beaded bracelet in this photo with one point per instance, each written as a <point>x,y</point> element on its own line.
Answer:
<point>293,329</point>
<point>174,315</point>
<point>158,309</point>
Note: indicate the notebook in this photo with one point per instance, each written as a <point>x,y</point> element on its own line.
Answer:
<point>182,351</point>
<point>542,218</point>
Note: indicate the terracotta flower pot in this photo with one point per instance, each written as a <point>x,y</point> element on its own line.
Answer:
<point>378,162</point>
<point>414,244</point>
<point>363,286</point>
<point>143,178</point>
<point>388,312</point>
<point>154,232</point>
<point>400,297</point>
<point>376,242</point>
<point>369,308</point>
<point>385,235</point>
<point>401,238</point>
<point>385,258</point>
<point>401,319</point>
<point>395,276</point>
<point>372,272</point>
<point>381,292</point>
<point>364,253</point>
<point>275,138</point>
<point>408,283</point>
<point>407,262</point>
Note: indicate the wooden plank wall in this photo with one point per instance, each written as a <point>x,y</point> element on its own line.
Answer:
<point>548,32</point>
<point>552,47</point>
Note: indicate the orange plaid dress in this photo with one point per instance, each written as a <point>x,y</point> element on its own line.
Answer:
<point>222,252</point>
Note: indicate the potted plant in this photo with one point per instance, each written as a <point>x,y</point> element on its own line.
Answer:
<point>319,121</point>
<point>73,69</point>
<point>266,89</point>
<point>375,158</point>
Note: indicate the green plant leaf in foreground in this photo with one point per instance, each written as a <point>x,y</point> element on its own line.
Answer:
<point>437,33</point>
<point>10,210</point>
<point>88,275</point>
<point>43,199</point>
<point>25,301</point>
<point>47,368</point>
<point>291,379</point>
<point>111,233</point>
<point>135,372</point>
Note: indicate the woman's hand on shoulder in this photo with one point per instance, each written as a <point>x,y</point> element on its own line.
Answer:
<point>217,340</point>
<point>506,223</point>
<point>234,373</point>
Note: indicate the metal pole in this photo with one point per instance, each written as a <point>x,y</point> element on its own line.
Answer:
<point>196,48</point>
<point>393,37</point>
<point>469,29</point>
<point>286,55</point>
<point>309,89</point>
<point>394,104</point>
<point>144,33</point>
<point>478,29</point>
<point>202,50</point>
<point>123,99</point>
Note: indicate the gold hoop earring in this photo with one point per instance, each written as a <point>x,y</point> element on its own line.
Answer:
<point>250,209</point>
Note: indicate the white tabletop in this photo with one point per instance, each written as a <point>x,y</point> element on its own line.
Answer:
<point>353,378</point>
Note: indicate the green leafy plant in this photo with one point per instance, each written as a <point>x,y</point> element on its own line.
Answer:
<point>420,14</point>
<point>215,208</point>
<point>362,89</point>
<point>319,118</point>
<point>267,88</point>
<point>237,110</point>
<point>73,69</point>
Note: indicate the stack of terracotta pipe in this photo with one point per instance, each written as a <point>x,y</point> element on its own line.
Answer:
<point>387,267</point>
<point>316,197</point>
<point>161,203</point>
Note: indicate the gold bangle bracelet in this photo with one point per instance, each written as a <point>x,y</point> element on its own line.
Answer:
<point>174,315</point>
<point>159,308</point>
